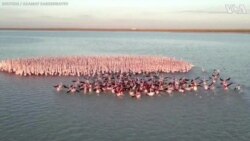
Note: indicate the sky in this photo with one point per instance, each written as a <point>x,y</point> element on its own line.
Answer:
<point>141,14</point>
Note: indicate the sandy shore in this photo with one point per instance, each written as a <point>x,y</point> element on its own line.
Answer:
<point>134,30</point>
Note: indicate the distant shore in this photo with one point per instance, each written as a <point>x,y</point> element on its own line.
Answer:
<point>134,30</point>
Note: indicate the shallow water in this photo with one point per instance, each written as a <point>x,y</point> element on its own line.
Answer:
<point>31,110</point>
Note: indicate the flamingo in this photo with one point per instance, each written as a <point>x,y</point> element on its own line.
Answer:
<point>60,86</point>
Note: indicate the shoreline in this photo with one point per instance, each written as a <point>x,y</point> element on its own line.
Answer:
<point>246,31</point>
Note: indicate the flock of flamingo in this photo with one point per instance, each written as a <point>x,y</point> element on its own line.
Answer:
<point>144,84</point>
<point>135,76</point>
<point>90,65</point>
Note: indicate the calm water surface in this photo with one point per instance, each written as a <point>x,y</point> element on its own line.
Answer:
<point>31,110</point>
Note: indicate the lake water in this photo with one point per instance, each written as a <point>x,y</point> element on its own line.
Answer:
<point>30,109</point>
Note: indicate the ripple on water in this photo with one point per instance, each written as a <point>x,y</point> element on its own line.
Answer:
<point>31,110</point>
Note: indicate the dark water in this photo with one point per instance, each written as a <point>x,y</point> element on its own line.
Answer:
<point>31,110</point>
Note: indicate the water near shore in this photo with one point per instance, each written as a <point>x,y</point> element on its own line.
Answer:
<point>30,109</point>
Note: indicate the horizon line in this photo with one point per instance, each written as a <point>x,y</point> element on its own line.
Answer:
<point>132,30</point>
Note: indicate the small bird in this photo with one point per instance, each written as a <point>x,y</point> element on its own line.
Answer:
<point>72,89</point>
<point>237,88</point>
<point>138,95</point>
<point>226,86</point>
<point>132,93</point>
<point>211,86</point>
<point>60,86</point>
<point>224,81</point>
